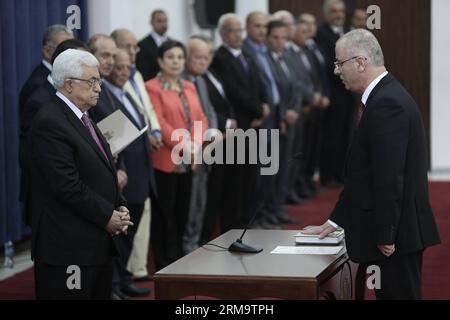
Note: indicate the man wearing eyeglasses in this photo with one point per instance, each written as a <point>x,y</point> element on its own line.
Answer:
<point>384,207</point>
<point>74,199</point>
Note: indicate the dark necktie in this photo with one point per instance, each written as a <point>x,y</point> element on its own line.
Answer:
<point>88,124</point>
<point>360,113</point>
<point>283,66</point>
<point>243,62</point>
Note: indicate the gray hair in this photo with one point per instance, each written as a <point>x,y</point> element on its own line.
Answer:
<point>279,15</point>
<point>69,64</point>
<point>363,42</point>
<point>327,4</point>
<point>223,18</point>
<point>52,31</point>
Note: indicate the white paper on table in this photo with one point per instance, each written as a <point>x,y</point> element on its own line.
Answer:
<point>313,250</point>
<point>119,131</point>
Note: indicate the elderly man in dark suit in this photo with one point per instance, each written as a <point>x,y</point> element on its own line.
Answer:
<point>197,62</point>
<point>74,200</point>
<point>53,36</point>
<point>134,160</point>
<point>338,118</point>
<point>146,59</point>
<point>245,91</point>
<point>384,207</point>
<point>36,101</point>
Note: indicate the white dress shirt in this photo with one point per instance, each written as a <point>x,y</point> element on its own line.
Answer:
<point>120,94</point>
<point>159,40</point>
<point>372,85</point>
<point>235,52</point>
<point>70,104</point>
<point>47,65</point>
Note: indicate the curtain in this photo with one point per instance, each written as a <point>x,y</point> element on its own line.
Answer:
<point>22,25</point>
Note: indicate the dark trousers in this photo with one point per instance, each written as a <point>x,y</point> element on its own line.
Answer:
<point>169,216</point>
<point>239,191</point>
<point>311,142</point>
<point>214,202</point>
<point>122,277</point>
<point>282,178</point>
<point>52,282</point>
<point>401,277</point>
<point>295,172</point>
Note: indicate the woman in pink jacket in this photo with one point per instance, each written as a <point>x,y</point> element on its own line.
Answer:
<point>177,106</point>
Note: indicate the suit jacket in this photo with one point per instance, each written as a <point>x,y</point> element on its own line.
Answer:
<point>244,90</point>
<point>304,82</point>
<point>145,106</point>
<point>171,116</point>
<point>222,106</point>
<point>265,80</point>
<point>135,159</point>
<point>73,190</point>
<point>36,79</point>
<point>326,41</point>
<point>289,99</point>
<point>146,58</point>
<point>205,102</point>
<point>319,66</point>
<point>385,197</point>
<point>36,101</point>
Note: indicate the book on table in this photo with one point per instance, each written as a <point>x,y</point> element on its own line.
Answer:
<point>335,237</point>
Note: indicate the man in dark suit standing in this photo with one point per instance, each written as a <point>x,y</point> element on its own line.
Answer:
<point>53,36</point>
<point>146,59</point>
<point>74,201</point>
<point>135,161</point>
<point>245,91</point>
<point>35,102</point>
<point>338,118</point>
<point>384,207</point>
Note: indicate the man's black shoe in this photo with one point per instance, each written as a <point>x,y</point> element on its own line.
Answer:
<point>133,291</point>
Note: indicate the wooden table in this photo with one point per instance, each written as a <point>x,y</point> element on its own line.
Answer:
<point>214,272</point>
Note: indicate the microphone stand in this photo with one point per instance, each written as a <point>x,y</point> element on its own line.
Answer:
<point>238,245</point>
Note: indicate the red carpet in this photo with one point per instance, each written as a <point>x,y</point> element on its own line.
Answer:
<point>436,272</point>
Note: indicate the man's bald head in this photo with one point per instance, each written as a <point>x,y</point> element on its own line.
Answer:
<point>256,25</point>
<point>125,39</point>
<point>121,71</point>
<point>198,56</point>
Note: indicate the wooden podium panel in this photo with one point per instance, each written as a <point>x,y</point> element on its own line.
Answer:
<point>214,272</point>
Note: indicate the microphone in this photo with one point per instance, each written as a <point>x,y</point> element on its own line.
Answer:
<point>238,245</point>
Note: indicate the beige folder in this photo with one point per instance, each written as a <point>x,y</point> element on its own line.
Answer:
<point>119,131</point>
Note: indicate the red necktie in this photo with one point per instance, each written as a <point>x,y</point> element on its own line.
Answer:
<point>88,124</point>
<point>360,113</point>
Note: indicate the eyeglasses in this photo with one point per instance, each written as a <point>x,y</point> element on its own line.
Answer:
<point>234,31</point>
<point>339,64</point>
<point>92,82</point>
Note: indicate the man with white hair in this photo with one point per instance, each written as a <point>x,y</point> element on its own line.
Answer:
<point>245,92</point>
<point>384,207</point>
<point>338,118</point>
<point>74,200</point>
